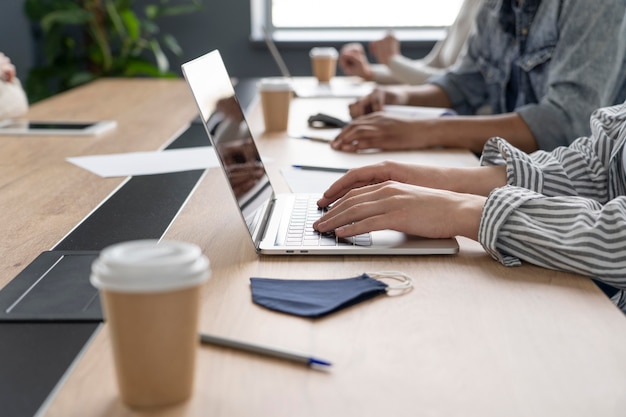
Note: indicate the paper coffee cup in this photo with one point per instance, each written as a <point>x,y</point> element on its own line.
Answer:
<point>150,292</point>
<point>324,63</point>
<point>276,96</point>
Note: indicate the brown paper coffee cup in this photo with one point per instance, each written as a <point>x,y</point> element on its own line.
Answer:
<point>276,94</point>
<point>324,63</point>
<point>151,293</point>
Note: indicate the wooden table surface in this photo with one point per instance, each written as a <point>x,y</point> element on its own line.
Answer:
<point>474,338</point>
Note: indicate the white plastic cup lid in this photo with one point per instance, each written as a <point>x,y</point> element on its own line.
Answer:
<point>149,266</point>
<point>275,84</point>
<point>318,51</point>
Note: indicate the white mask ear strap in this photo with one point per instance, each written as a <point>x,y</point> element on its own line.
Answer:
<point>405,285</point>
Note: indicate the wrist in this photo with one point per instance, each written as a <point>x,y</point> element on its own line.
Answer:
<point>392,58</point>
<point>468,214</point>
<point>368,74</point>
<point>427,133</point>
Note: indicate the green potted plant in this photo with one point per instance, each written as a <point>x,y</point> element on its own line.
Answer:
<point>82,40</point>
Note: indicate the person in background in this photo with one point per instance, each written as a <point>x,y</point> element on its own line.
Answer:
<point>13,101</point>
<point>542,67</point>
<point>563,210</point>
<point>393,68</point>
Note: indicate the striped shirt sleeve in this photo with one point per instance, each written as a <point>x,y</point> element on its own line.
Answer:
<point>565,209</point>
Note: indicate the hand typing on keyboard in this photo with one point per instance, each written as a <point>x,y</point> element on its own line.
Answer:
<point>301,233</point>
<point>407,198</point>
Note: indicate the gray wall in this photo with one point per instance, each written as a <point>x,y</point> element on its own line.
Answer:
<point>15,37</point>
<point>223,25</point>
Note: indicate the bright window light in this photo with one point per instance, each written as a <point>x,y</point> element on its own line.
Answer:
<point>361,14</point>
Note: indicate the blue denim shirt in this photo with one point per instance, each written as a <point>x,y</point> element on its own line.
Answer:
<point>564,53</point>
<point>618,95</point>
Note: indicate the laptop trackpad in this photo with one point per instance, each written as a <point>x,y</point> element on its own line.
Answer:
<point>55,286</point>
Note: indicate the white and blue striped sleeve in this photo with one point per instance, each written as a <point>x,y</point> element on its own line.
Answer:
<point>572,234</point>
<point>563,210</point>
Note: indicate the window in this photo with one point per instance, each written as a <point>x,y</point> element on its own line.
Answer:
<point>340,20</point>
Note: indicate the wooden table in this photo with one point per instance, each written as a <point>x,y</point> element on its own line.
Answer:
<point>43,196</point>
<point>472,339</point>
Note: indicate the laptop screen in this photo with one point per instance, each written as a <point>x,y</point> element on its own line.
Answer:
<point>229,133</point>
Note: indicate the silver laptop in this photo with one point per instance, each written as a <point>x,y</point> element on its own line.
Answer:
<point>310,88</point>
<point>278,224</point>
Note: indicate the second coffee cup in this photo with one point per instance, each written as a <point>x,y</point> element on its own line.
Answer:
<point>276,96</point>
<point>324,63</point>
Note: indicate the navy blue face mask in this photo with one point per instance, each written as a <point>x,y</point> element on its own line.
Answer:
<point>318,298</point>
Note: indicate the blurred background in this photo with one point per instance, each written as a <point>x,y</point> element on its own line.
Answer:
<point>57,44</point>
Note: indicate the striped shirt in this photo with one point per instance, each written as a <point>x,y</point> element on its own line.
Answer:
<point>565,209</point>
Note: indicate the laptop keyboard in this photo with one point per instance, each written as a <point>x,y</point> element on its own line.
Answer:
<point>301,233</point>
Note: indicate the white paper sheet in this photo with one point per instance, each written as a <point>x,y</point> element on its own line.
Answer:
<point>146,163</point>
<point>417,112</point>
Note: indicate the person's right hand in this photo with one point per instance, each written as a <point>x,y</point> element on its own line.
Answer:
<point>375,101</point>
<point>407,208</point>
<point>7,69</point>
<point>368,175</point>
<point>385,49</point>
<point>353,61</point>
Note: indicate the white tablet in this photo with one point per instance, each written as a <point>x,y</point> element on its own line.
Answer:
<point>35,127</point>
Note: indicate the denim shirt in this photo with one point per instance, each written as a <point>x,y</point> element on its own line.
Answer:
<point>564,53</point>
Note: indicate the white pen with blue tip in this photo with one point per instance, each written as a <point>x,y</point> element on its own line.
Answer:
<point>319,168</point>
<point>301,358</point>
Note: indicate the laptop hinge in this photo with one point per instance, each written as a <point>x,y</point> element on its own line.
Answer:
<point>261,222</point>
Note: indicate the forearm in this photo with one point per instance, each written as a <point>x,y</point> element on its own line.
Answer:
<point>476,180</point>
<point>472,132</point>
<point>428,95</point>
<point>413,72</point>
<point>381,74</point>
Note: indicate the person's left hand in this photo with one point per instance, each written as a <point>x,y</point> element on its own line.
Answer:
<point>411,209</point>
<point>376,100</point>
<point>353,61</point>
<point>381,131</point>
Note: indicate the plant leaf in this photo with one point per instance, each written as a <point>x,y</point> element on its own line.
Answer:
<point>161,60</point>
<point>172,44</point>
<point>68,17</point>
<point>136,67</point>
<point>35,10</point>
<point>150,27</point>
<point>104,48</point>
<point>133,25</point>
<point>176,10</point>
<point>116,19</point>
<point>151,11</point>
